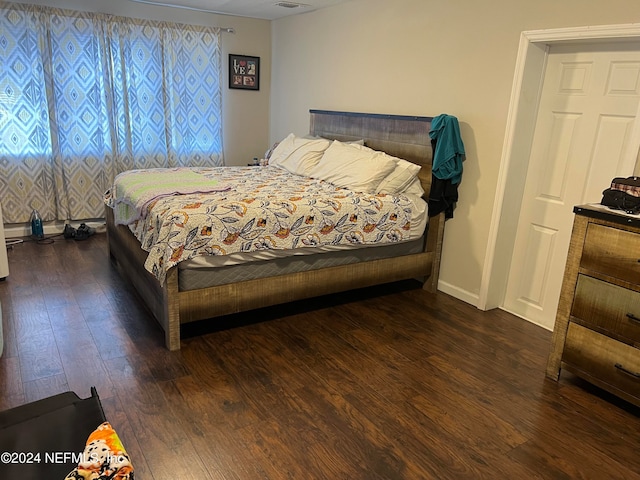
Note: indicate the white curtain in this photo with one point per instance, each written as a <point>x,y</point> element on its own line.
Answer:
<point>85,96</point>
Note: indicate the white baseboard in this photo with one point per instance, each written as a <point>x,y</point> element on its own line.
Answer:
<point>459,293</point>
<point>21,230</point>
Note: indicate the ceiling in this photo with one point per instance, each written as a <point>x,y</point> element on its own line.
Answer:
<point>265,9</point>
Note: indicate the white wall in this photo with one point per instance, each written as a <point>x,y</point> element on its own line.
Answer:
<point>424,57</point>
<point>245,112</point>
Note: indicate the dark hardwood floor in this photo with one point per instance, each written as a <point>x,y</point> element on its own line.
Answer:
<point>383,383</point>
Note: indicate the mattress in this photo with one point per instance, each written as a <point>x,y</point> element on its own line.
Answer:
<point>195,274</point>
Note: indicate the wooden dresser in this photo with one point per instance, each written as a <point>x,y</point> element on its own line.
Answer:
<point>597,329</point>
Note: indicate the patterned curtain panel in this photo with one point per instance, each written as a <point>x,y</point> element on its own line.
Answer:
<point>86,96</point>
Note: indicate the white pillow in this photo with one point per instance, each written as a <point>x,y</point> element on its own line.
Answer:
<point>353,167</point>
<point>298,155</point>
<point>414,188</point>
<point>361,146</point>
<point>398,180</point>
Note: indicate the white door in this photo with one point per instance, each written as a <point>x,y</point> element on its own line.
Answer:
<point>583,138</point>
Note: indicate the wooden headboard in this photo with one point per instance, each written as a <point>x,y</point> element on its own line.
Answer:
<point>402,136</point>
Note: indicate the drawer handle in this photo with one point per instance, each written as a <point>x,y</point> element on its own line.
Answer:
<point>628,372</point>
<point>633,318</point>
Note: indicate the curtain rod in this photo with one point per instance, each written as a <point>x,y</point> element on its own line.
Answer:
<point>160,4</point>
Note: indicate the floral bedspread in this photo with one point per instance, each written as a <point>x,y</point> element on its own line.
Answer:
<point>267,208</point>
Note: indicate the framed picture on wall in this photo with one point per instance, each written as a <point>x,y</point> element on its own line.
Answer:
<point>244,72</point>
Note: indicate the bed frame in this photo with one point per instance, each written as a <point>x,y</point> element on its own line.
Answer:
<point>401,136</point>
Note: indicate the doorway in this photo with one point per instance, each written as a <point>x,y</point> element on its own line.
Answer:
<point>529,80</point>
<point>588,106</point>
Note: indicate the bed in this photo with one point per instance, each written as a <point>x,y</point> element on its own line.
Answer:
<point>186,295</point>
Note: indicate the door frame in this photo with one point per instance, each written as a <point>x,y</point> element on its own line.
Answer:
<point>523,108</point>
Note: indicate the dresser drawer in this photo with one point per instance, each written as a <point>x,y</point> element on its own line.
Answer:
<point>612,252</point>
<point>608,308</point>
<point>610,364</point>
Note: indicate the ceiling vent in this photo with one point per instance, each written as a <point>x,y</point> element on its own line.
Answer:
<point>290,5</point>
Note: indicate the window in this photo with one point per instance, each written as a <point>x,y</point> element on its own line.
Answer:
<point>85,96</point>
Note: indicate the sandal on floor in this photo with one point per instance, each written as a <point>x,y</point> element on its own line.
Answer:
<point>69,231</point>
<point>83,232</point>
